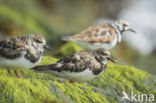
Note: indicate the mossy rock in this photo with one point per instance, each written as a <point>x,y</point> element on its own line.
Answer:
<point>69,48</point>
<point>44,88</point>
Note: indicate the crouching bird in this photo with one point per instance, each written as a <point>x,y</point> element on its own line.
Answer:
<point>79,67</point>
<point>22,52</point>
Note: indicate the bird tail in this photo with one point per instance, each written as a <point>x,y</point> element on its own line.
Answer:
<point>42,68</point>
<point>67,38</point>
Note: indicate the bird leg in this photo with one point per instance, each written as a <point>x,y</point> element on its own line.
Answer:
<point>17,75</point>
<point>9,72</point>
<point>71,81</point>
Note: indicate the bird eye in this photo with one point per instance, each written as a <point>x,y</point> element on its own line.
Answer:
<point>104,53</point>
<point>38,41</point>
<point>125,25</point>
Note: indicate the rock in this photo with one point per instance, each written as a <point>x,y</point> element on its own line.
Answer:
<point>45,88</point>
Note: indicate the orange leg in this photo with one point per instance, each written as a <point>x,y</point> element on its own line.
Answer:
<point>17,75</point>
<point>9,72</point>
<point>71,81</point>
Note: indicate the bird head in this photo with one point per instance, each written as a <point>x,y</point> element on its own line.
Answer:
<point>39,41</point>
<point>103,55</point>
<point>123,26</point>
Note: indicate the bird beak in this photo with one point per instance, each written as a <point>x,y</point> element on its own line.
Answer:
<point>110,59</point>
<point>46,47</point>
<point>132,30</point>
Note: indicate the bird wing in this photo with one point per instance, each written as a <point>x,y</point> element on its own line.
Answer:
<point>103,33</point>
<point>10,48</point>
<point>76,62</point>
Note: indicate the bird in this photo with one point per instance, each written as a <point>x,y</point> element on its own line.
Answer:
<point>106,35</point>
<point>21,52</point>
<point>78,67</point>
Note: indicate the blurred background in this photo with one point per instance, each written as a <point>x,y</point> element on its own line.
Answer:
<point>56,18</point>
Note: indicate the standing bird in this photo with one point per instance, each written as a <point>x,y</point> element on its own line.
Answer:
<point>105,35</point>
<point>22,52</point>
<point>81,66</point>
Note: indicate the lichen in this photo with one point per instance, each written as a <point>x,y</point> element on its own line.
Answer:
<point>45,88</point>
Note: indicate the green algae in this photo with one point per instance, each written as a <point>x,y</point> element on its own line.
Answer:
<point>45,88</point>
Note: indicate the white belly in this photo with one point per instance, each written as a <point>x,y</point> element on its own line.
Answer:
<point>106,46</point>
<point>18,63</point>
<point>85,75</point>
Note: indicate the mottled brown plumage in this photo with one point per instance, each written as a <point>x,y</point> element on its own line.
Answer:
<point>22,52</point>
<point>14,47</point>
<point>101,33</point>
<point>91,60</point>
<point>106,35</point>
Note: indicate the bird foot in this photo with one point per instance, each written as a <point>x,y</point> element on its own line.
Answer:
<point>16,73</point>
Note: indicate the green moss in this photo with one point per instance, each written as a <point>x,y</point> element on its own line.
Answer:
<point>117,79</point>
<point>48,60</point>
<point>69,48</point>
<point>81,93</point>
<point>44,88</point>
<point>23,91</point>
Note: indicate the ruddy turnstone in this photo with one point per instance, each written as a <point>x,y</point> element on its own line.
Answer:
<point>81,66</point>
<point>106,35</point>
<point>21,52</point>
